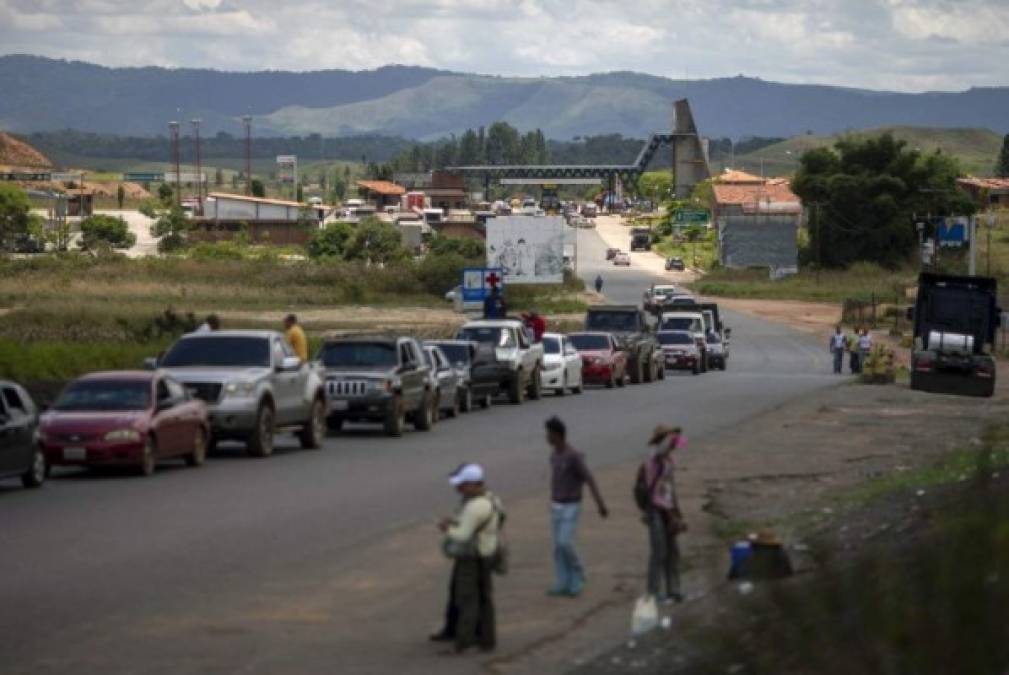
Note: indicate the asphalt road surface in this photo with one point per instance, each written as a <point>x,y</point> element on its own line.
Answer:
<point>89,555</point>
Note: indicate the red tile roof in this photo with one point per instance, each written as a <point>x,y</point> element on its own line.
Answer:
<point>734,177</point>
<point>382,187</point>
<point>984,183</point>
<point>775,191</point>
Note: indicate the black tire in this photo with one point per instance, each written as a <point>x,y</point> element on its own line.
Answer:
<point>486,401</point>
<point>422,418</point>
<point>536,386</point>
<point>453,412</point>
<point>260,442</point>
<point>516,392</point>
<point>149,459</point>
<point>662,371</point>
<point>198,457</point>
<point>564,385</point>
<point>649,371</point>
<point>465,400</point>
<point>697,369</point>
<point>612,382</point>
<point>313,432</point>
<point>395,419</point>
<point>334,423</point>
<point>211,445</point>
<point>636,372</point>
<point>580,388</point>
<point>36,474</point>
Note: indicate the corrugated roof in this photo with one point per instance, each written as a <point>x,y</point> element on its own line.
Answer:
<point>985,183</point>
<point>732,176</point>
<point>774,191</point>
<point>258,200</point>
<point>382,187</point>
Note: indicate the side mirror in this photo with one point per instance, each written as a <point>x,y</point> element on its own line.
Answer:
<point>289,363</point>
<point>151,363</point>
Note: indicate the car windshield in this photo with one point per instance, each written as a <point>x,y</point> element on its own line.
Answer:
<point>350,354</point>
<point>218,351</point>
<point>551,345</point>
<point>590,342</point>
<point>678,323</point>
<point>487,334</point>
<point>105,395</point>
<point>612,321</point>
<point>713,338</point>
<point>429,358</point>
<point>674,338</point>
<point>456,353</point>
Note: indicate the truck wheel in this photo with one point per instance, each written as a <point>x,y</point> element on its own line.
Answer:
<point>454,410</point>
<point>649,371</point>
<point>260,441</point>
<point>516,392</point>
<point>636,374</point>
<point>486,401</point>
<point>465,400</point>
<point>395,418</point>
<point>612,382</point>
<point>313,433</point>
<point>622,380</point>
<point>536,386</point>
<point>149,460</point>
<point>334,423</point>
<point>422,419</point>
<point>662,371</point>
<point>199,454</point>
<point>36,473</point>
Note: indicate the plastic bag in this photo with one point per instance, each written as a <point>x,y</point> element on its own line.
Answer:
<point>646,615</point>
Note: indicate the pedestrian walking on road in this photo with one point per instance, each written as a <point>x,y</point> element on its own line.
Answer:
<point>471,541</point>
<point>568,475</point>
<point>209,325</point>
<point>655,494</point>
<point>599,283</point>
<point>838,344</point>
<point>864,348</point>
<point>296,337</point>
<point>853,353</point>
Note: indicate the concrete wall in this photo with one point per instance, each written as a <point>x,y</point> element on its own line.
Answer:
<point>759,241</point>
<point>234,209</point>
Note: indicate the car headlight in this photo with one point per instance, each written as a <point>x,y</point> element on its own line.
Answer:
<point>122,436</point>
<point>239,388</point>
<point>551,366</point>
<point>599,361</point>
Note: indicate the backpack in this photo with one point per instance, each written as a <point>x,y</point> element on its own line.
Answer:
<point>643,491</point>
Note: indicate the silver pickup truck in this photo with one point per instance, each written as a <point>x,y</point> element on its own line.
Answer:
<point>518,361</point>
<point>253,384</point>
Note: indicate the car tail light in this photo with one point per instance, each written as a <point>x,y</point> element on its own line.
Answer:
<point>923,365</point>
<point>985,370</point>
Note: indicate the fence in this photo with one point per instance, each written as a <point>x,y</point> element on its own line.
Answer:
<point>878,311</point>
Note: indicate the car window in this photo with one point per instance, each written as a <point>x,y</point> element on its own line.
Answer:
<point>224,351</point>
<point>551,345</point>
<point>105,395</point>
<point>163,393</point>
<point>278,351</point>
<point>429,359</point>
<point>524,338</point>
<point>13,401</point>
<point>342,354</point>
<point>457,353</point>
<point>176,390</point>
<point>591,342</point>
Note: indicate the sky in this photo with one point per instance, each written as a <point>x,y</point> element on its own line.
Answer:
<point>899,45</point>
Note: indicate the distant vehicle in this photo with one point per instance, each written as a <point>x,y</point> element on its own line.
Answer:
<point>586,223</point>
<point>126,418</point>
<point>718,350</point>
<point>693,321</point>
<point>955,320</point>
<point>679,350</point>
<point>529,207</point>
<point>657,295</point>
<point>253,384</point>
<point>379,379</point>
<point>675,263</point>
<point>451,295</point>
<point>562,366</point>
<point>449,381</point>
<point>315,201</point>
<point>603,361</point>
<point>21,455</point>
<point>611,252</point>
<point>589,210</point>
<point>518,361</point>
<point>641,239</point>
<point>622,259</point>
<point>630,326</point>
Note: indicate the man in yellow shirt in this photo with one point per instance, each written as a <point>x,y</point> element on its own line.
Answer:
<point>296,337</point>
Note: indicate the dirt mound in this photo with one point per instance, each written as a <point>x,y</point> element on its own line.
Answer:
<point>15,153</point>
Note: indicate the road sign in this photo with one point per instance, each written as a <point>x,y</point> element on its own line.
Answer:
<point>144,176</point>
<point>286,159</point>
<point>477,283</point>
<point>683,217</point>
<point>953,231</point>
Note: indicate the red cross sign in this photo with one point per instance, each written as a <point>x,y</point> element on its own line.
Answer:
<point>492,279</point>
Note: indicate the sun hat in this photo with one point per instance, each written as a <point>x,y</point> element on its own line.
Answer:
<point>661,431</point>
<point>466,473</point>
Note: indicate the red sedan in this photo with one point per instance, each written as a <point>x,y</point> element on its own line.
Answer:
<point>603,362</point>
<point>132,418</point>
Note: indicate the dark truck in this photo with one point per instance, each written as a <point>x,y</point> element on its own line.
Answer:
<point>629,325</point>
<point>955,319</point>
<point>641,239</point>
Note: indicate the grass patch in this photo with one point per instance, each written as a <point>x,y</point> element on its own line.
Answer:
<point>701,255</point>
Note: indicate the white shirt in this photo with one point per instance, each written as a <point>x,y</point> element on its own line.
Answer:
<point>837,341</point>
<point>865,343</point>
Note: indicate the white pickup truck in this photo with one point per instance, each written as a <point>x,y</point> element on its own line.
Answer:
<point>518,361</point>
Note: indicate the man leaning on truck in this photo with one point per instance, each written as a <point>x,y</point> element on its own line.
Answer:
<point>296,337</point>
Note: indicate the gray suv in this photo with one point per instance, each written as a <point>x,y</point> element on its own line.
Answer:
<point>378,379</point>
<point>253,384</point>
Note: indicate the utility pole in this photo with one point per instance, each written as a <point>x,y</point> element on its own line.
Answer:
<point>199,167</point>
<point>173,127</point>
<point>819,240</point>
<point>247,123</point>
<point>972,251</point>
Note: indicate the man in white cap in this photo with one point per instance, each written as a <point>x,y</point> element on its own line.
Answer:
<point>471,540</point>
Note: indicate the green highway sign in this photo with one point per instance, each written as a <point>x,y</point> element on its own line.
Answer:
<point>684,217</point>
<point>143,177</point>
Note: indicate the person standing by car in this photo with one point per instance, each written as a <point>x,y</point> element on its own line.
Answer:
<point>655,494</point>
<point>471,541</point>
<point>568,475</point>
<point>209,325</point>
<point>838,342</point>
<point>538,325</point>
<point>296,337</point>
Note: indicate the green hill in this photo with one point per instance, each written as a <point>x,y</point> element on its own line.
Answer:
<point>976,149</point>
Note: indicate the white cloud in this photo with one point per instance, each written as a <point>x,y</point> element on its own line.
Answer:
<point>892,44</point>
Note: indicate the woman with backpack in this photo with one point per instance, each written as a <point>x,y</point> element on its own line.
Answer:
<point>655,494</point>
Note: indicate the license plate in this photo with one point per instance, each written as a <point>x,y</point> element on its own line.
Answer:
<point>338,405</point>
<point>75,454</point>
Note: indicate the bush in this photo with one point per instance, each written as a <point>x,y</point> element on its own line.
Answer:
<point>440,273</point>
<point>331,241</point>
<point>106,231</point>
<point>471,249</point>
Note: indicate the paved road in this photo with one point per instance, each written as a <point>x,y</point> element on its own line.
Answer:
<point>87,556</point>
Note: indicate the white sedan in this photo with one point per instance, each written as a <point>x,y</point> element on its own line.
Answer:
<point>622,259</point>
<point>562,365</point>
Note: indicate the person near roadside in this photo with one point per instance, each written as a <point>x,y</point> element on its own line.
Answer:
<point>656,484</point>
<point>538,325</point>
<point>599,283</point>
<point>209,325</point>
<point>864,348</point>
<point>471,540</point>
<point>296,337</point>
<point>838,344</point>
<point>568,475</point>
<point>853,353</point>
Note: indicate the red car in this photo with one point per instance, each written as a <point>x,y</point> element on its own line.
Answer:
<point>603,362</point>
<point>131,418</point>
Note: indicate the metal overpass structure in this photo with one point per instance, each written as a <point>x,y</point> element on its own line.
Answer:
<point>690,161</point>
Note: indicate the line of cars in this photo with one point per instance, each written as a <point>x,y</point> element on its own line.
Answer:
<point>691,333</point>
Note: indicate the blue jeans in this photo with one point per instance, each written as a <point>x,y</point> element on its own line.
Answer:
<point>838,361</point>
<point>569,570</point>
